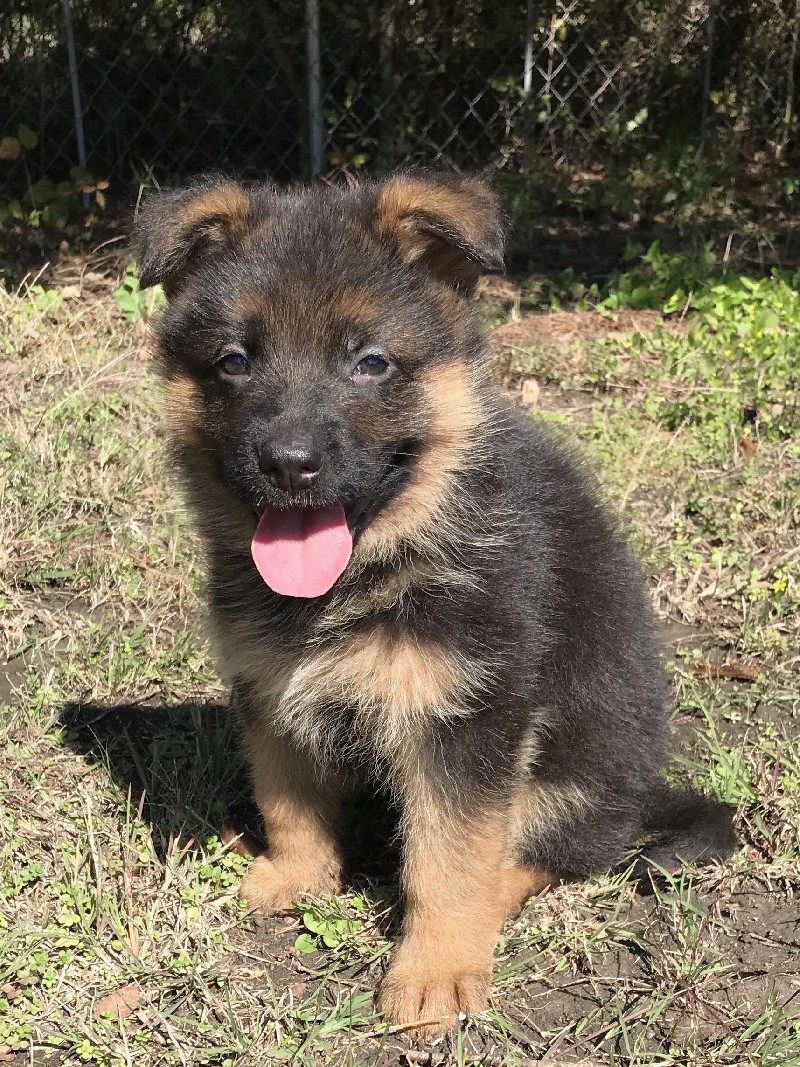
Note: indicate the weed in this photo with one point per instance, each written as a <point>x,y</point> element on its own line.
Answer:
<point>334,923</point>
<point>567,288</point>
<point>657,277</point>
<point>136,304</point>
<point>45,202</point>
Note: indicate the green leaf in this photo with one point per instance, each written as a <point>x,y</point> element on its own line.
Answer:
<point>42,191</point>
<point>675,302</point>
<point>81,176</point>
<point>28,138</point>
<point>305,943</point>
<point>55,215</point>
<point>641,296</point>
<point>636,121</point>
<point>313,922</point>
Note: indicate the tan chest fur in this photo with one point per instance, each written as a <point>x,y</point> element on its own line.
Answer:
<point>378,688</point>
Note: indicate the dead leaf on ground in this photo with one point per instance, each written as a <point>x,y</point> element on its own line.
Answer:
<point>747,447</point>
<point>10,149</point>
<point>737,672</point>
<point>121,1003</point>
<point>531,392</point>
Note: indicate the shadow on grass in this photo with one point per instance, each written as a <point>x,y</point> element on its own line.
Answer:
<point>183,767</point>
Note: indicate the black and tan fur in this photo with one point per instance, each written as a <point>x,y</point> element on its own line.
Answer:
<point>488,653</point>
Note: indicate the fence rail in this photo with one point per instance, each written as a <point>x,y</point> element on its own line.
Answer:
<point>291,87</point>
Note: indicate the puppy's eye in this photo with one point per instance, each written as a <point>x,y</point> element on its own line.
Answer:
<point>372,365</point>
<point>232,362</point>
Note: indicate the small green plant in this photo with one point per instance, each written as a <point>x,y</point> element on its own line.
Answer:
<point>137,304</point>
<point>12,147</point>
<point>330,925</point>
<point>737,363</point>
<point>656,277</point>
<point>567,288</point>
<point>47,203</point>
<point>741,353</point>
<point>33,306</point>
<point>40,301</point>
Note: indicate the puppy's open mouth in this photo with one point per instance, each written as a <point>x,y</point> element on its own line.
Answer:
<point>303,551</point>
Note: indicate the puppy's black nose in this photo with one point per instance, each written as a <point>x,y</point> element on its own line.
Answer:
<point>291,463</point>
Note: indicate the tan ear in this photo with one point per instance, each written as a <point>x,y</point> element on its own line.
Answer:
<point>451,224</point>
<point>174,228</point>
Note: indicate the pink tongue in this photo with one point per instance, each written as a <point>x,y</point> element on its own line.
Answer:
<point>303,551</point>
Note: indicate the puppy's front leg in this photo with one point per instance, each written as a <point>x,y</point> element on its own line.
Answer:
<point>459,886</point>
<point>300,805</point>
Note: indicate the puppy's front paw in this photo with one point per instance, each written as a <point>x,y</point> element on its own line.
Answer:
<point>271,886</point>
<point>427,994</point>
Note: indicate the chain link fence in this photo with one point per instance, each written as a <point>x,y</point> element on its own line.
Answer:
<point>160,89</point>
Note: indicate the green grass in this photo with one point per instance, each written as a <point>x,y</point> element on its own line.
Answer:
<point>119,765</point>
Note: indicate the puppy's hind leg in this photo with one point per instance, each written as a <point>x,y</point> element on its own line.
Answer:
<point>566,829</point>
<point>520,883</point>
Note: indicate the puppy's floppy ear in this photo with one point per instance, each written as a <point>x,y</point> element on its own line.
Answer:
<point>451,224</point>
<point>174,229</point>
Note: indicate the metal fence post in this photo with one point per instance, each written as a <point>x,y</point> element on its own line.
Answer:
<point>316,128</point>
<point>527,75</point>
<point>77,110</point>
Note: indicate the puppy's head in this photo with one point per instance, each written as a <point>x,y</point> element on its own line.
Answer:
<point>320,357</point>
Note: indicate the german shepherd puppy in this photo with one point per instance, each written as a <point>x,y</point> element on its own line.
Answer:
<point>408,581</point>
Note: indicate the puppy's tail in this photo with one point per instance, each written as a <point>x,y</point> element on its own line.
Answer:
<point>683,828</point>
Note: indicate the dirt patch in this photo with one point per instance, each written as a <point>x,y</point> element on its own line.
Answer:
<point>12,675</point>
<point>564,328</point>
<point>56,258</point>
